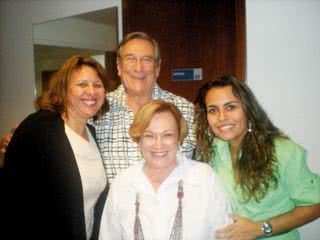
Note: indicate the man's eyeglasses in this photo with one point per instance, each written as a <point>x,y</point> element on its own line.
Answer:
<point>132,60</point>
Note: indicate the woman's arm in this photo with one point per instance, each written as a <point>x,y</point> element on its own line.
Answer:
<point>245,229</point>
<point>295,218</point>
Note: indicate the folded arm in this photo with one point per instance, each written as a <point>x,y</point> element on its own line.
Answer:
<point>245,229</point>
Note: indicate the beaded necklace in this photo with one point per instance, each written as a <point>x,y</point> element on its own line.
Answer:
<point>176,232</point>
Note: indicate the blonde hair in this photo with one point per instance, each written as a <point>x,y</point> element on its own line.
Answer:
<point>143,118</point>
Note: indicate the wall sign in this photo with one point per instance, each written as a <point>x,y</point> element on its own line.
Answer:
<point>186,74</point>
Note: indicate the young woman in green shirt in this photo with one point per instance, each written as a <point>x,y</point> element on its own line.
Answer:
<point>272,191</point>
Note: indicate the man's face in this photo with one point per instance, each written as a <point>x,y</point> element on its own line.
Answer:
<point>137,67</point>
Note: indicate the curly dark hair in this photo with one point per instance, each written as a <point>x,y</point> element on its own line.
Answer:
<point>256,167</point>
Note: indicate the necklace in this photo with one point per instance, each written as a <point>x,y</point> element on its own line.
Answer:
<point>176,231</point>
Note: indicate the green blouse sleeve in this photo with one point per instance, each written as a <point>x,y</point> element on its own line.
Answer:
<point>302,184</point>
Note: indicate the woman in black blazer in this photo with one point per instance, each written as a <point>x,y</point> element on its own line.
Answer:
<point>55,184</point>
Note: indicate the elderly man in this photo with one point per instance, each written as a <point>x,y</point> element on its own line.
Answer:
<point>138,64</point>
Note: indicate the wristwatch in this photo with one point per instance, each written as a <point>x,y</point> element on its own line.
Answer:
<point>266,228</point>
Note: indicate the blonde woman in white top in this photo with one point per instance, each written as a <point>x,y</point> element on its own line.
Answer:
<point>167,196</point>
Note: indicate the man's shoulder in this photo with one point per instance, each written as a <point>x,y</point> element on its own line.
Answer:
<point>114,99</point>
<point>169,96</point>
<point>116,95</point>
<point>184,105</point>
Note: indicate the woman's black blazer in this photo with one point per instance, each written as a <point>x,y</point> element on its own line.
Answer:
<point>43,189</point>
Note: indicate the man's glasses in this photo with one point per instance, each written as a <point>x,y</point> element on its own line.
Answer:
<point>132,60</point>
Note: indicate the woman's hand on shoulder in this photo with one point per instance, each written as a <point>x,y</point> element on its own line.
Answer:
<point>5,141</point>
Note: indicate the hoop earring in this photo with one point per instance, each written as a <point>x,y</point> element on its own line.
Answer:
<point>209,132</point>
<point>250,127</point>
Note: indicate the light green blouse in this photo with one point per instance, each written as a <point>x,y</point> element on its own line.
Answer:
<point>297,186</point>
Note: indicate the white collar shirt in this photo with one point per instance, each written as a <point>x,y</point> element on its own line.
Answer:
<point>204,205</point>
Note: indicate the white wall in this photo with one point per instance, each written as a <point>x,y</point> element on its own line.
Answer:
<point>283,49</point>
<point>283,66</point>
<point>17,81</point>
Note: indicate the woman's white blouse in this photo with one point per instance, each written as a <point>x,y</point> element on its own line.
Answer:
<point>205,206</point>
<point>93,177</point>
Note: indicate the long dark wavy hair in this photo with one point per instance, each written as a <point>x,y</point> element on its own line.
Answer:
<point>256,167</point>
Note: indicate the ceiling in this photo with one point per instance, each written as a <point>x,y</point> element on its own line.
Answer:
<point>105,16</point>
